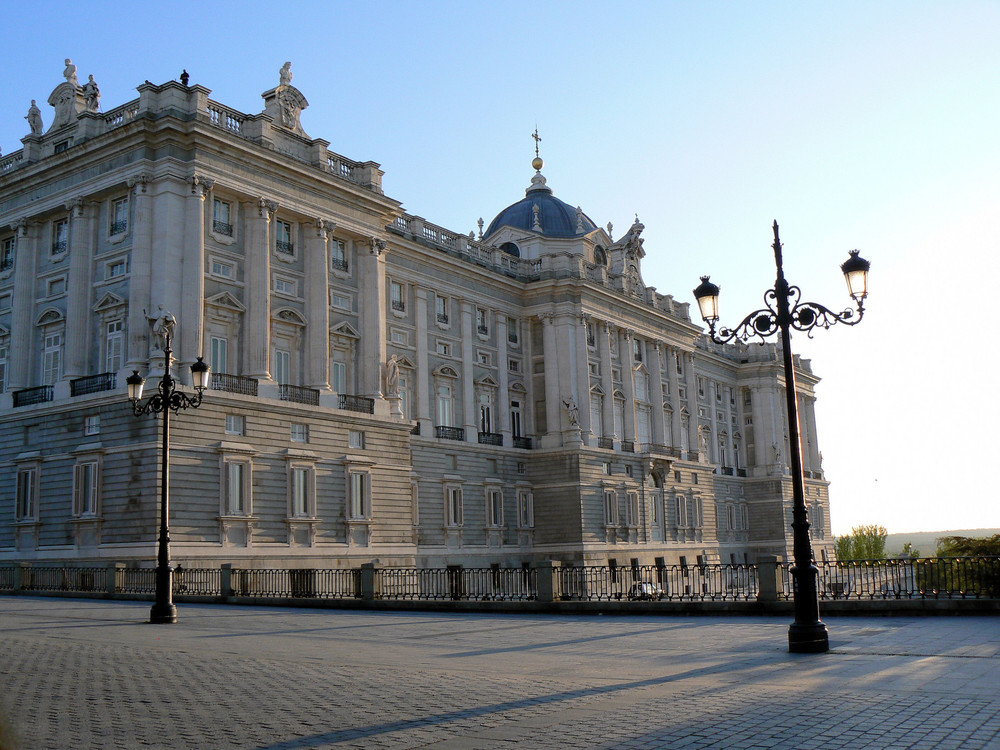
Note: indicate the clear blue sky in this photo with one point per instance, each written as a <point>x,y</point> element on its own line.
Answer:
<point>870,125</point>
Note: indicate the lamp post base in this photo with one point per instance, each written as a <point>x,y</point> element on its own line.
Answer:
<point>163,613</point>
<point>808,638</point>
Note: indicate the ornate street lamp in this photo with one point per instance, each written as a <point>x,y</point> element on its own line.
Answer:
<point>786,310</point>
<point>166,399</point>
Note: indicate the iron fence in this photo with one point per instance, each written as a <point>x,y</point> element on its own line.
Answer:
<point>297,583</point>
<point>925,578</point>
<point>457,583</point>
<point>649,582</point>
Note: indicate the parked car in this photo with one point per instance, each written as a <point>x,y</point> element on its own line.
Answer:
<point>645,591</point>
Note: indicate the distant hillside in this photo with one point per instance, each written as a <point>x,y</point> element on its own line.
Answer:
<point>926,541</point>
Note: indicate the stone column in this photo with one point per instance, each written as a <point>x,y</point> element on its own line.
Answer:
<point>583,380</point>
<point>810,412</point>
<point>730,427</point>
<point>692,391</point>
<point>317,289</point>
<point>656,392</point>
<point>564,327</point>
<point>191,316</point>
<point>140,272</point>
<point>675,397</point>
<point>470,416</point>
<point>553,419</point>
<point>257,320</point>
<point>22,328</point>
<point>503,383</point>
<point>371,290</point>
<point>628,385</point>
<point>607,380</point>
<point>423,374</point>
<point>80,291</point>
<point>713,424</point>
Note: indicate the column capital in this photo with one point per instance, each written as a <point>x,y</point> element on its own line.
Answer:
<point>266,209</point>
<point>138,183</point>
<point>79,207</point>
<point>324,227</point>
<point>200,185</point>
<point>377,246</point>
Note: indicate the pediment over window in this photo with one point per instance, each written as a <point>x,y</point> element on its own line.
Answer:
<point>109,302</point>
<point>344,329</point>
<point>596,390</point>
<point>518,387</point>
<point>50,316</point>
<point>487,382</point>
<point>289,315</point>
<point>406,363</point>
<point>226,300</point>
<point>445,371</point>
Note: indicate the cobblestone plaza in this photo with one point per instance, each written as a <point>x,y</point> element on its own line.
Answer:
<point>93,674</point>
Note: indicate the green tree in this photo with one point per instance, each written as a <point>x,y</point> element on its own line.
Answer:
<point>908,551</point>
<point>863,543</point>
<point>968,546</point>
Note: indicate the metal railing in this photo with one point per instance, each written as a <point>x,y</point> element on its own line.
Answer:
<point>221,227</point>
<point>297,583</point>
<point>456,583</point>
<point>490,438</point>
<point>105,381</point>
<point>360,404</point>
<point>670,582</point>
<point>222,381</point>
<point>524,443</point>
<point>29,396</point>
<point>449,433</point>
<point>299,394</point>
<point>926,578</point>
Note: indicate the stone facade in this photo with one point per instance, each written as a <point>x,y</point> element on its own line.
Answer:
<point>382,388</point>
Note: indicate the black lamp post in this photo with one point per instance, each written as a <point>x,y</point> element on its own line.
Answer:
<point>786,310</point>
<point>166,399</point>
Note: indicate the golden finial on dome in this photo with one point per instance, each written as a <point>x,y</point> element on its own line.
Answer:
<point>537,162</point>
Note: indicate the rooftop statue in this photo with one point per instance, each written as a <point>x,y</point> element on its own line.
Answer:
<point>34,118</point>
<point>92,95</point>
<point>285,74</point>
<point>70,73</point>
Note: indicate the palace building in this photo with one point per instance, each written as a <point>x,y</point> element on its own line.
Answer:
<point>381,389</point>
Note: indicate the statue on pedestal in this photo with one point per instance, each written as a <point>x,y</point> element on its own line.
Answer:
<point>34,118</point>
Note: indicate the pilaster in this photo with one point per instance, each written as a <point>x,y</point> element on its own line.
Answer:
<point>469,420</point>
<point>317,289</point>
<point>607,381</point>
<point>656,395</point>
<point>22,326</point>
<point>191,328</point>
<point>257,328</point>
<point>139,285</point>
<point>371,289</point>
<point>628,384</point>
<point>80,289</point>
<point>423,376</point>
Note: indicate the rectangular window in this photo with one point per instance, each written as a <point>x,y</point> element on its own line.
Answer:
<point>60,236</point>
<point>513,326</point>
<point>7,253</point>
<point>445,398</point>
<point>482,321</point>
<point>56,287</point>
<point>399,337</point>
<point>235,424</point>
<point>514,365</point>
<point>300,433</point>
<point>92,425</point>
<point>85,489</point>
<point>360,489</point>
<point>606,468</point>
<point>223,270</point>
<point>525,509</point>
<point>237,488</point>
<point>681,508</point>
<point>340,301</point>
<point>6,300</point>
<point>119,216</point>
<point>701,387</point>
<point>443,348</point>
<point>441,307</point>
<point>27,487</point>
<point>610,508</point>
<point>300,491</point>
<point>52,358</point>
<point>591,340</point>
<point>637,349</point>
<point>494,507</point>
<point>404,396</point>
<point>339,377</point>
<point>115,269</point>
<point>485,413</point>
<point>454,509</point>
<point>284,285</point>
<point>283,238</point>
<point>222,218</point>
<point>114,345</point>
<point>282,366</point>
<point>632,509</point>
<point>484,358</point>
<point>338,255</point>
<point>515,419</point>
<point>356,439</point>
<point>396,299</point>
<point>219,355</point>
<point>718,393</point>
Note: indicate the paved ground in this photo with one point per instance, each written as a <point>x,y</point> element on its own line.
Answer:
<point>91,674</point>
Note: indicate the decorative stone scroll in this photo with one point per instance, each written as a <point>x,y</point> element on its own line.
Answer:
<point>285,103</point>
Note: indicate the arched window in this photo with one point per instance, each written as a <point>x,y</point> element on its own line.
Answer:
<point>511,249</point>
<point>600,257</point>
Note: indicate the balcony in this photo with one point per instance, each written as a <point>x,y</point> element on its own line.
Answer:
<point>234,384</point>
<point>105,381</point>
<point>360,404</point>
<point>339,264</point>
<point>29,396</point>
<point>606,443</point>
<point>449,433</point>
<point>442,317</point>
<point>628,446</point>
<point>118,227</point>
<point>524,443</point>
<point>221,227</point>
<point>741,472</point>
<point>727,470</point>
<point>398,305</point>
<point>490,438</point>
<point>298,394</point>
<point>285,248</point>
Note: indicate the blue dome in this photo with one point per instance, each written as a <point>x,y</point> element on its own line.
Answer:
<point>557,218</point>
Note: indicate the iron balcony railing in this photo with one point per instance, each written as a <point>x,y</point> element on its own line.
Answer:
<point>360,404</point>
<point>105,381</point>
<point>299,394</point>
<point>628,446</point>
<point>222,381</point>
<point>398,305</point>
<point>28,396</point>
<point>118,227</point>
<point>339,264</point>
<point>524,443</point>
<point>490,438</point>
<point>285,248</point>
<point>221,227</point>
<point>606,443</point>
<point>449,433</point>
